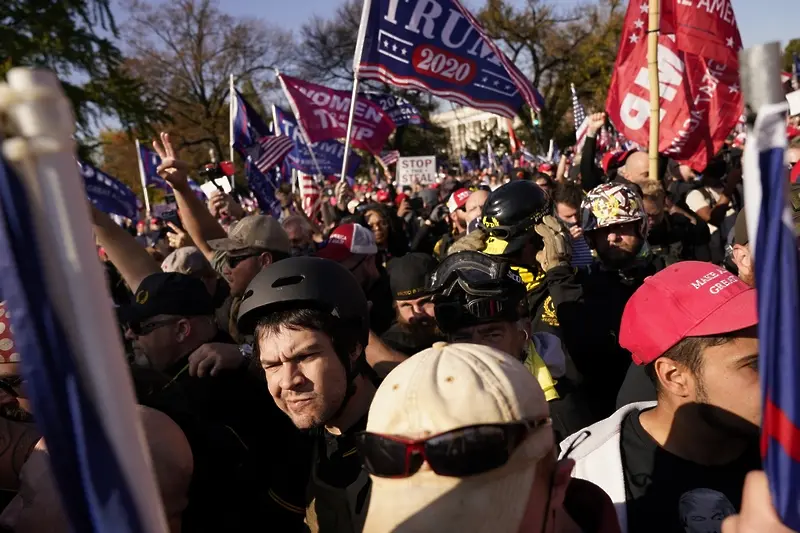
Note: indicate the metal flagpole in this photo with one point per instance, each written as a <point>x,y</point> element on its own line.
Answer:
<point>655,94</point>
<point>231,113</point>
<point>144,183</point>
<point>320,175</point>
<point>362,30</point>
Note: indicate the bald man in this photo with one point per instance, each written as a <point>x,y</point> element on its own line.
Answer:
<point>37,506</point>
<point>636,168</point>
<point>474,204</point>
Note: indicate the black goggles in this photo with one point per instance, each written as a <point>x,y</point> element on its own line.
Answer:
<point>462,452</point>
<point>452,315</point>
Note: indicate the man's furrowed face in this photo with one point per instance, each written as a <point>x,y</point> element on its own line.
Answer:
<point>617,245</point>
<point>306,378</point>
<point>417,313</point>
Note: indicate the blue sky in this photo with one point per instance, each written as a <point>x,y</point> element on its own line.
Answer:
<point>759,20</point>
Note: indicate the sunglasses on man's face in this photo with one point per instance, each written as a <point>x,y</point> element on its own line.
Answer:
<point>462,452</point>
<point>140,329</point>
<point>234,261</point>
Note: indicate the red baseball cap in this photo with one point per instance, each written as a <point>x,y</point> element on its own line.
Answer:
<point>348,240</point>
<point>795,176</point>
<point>687,299</point>
<point>612,160</point>
<point>458,199</point>
<point>399,199</point>
<point>382,196</point>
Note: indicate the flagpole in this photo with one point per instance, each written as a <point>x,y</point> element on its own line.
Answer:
<point>655,94</point>
<point>320,175</point>
<point>143,178</point>
<point>362,30</point>
<point>231,113</point>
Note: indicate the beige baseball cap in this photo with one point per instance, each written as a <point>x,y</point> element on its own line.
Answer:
<point>260,232</point>
<point>440,389</point>
<point>187,260</point>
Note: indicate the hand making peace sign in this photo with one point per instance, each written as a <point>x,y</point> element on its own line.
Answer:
<point>172,169</point>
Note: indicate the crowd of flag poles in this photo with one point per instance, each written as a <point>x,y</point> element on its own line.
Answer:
<point>75,368</point>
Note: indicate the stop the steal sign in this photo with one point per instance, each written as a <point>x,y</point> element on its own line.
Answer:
<point>421,169</point>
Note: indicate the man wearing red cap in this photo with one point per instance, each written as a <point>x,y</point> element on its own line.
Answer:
<point>679,464</point>
<point>456,205</point>
<point>353,246</point>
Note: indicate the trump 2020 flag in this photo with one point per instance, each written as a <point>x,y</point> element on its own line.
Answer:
<point>248,126</point>
<point>772,238</point>
<point>323,113</point>
<point>150,162</point>
<point>329,154</point>
<point>107,193</point>
<point>401,111</point>
<point>439,47</point>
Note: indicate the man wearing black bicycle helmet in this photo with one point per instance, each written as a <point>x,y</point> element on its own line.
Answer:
<point>310,320</point>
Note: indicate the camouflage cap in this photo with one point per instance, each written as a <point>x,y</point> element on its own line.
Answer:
<point>186,260</point>
<point>259,232</point>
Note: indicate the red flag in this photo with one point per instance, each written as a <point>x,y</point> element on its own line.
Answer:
<point>323,113</point>
<point>512,137</point>
<point>702,27</point>
<point>701,99</point>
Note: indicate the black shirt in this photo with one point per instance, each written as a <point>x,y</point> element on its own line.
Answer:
<point>668,494</point>
<point>339,463</point>
<point>407,341</point>
<point>246,451</point>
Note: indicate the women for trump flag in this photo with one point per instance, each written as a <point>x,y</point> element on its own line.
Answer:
<point>437,46</point>
<point>323,112</point>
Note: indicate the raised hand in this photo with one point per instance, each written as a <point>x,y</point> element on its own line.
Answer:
<point>171,169</point>
<point>596,121</point>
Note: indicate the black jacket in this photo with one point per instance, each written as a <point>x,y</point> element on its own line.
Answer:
<point>677,239</point>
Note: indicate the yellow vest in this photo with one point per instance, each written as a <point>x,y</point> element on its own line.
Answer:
<point>535,364</point>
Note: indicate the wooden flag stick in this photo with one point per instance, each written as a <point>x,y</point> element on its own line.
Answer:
<point>655,95</point>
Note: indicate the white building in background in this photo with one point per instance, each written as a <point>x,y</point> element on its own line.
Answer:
<point>466,127</point>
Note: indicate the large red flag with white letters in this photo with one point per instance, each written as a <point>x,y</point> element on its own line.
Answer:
<point>701,100</point>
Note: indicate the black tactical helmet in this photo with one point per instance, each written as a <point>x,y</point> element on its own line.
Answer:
<point>510,213</point>
<point>310,282</point>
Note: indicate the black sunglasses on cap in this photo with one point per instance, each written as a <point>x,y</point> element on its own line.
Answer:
<point>462,452</point>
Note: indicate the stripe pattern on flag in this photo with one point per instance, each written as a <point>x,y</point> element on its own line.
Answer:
<point>270,151</point>
<point>390,157</point>
<point>581,120</point>
<point>772,237</point>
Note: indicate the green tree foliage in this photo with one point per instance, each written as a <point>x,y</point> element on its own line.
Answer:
<point>186,51</point>
<point>74,38</point>
<point>792,47</point>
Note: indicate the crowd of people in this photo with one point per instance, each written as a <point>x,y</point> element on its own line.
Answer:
<point>567,347</point>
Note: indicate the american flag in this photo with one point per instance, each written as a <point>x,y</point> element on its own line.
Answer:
<point>772,237</point>
<point>389,157</point>
<point>268,152</point>
<point>581,120</point>
<point>310,193</point>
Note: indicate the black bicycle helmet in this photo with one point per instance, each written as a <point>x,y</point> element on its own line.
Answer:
<point>310,282</point>
<point>510,213</point>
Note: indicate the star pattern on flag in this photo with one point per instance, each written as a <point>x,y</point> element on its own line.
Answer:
<point>729,42</point>
<point>639,24</point>
<point>392,47</point>
<point>644,8</point>
<point>733,88</point>
<point>634,38</point>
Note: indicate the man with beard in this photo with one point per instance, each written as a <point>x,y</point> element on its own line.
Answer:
<point>415,328</point>
<point>678,464</point>
<point>353,246</point>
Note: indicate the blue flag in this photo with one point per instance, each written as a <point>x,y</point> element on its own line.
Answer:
<point>150,162</point>
<point>466,164</point>
<point>94,490</point>
<point>263,187</point>
<point>439,47</point>
<point>107,193</point>
<point>329,154</point>
<point>769,218</point>
<point>484,160</point>
<point>248,126</point>
<point>796,66</point>
<point>506,164</point>
<point>398,108</point>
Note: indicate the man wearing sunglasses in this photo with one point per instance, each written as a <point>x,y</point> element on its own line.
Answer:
<point>459,439</point>
<point>310,320</point>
